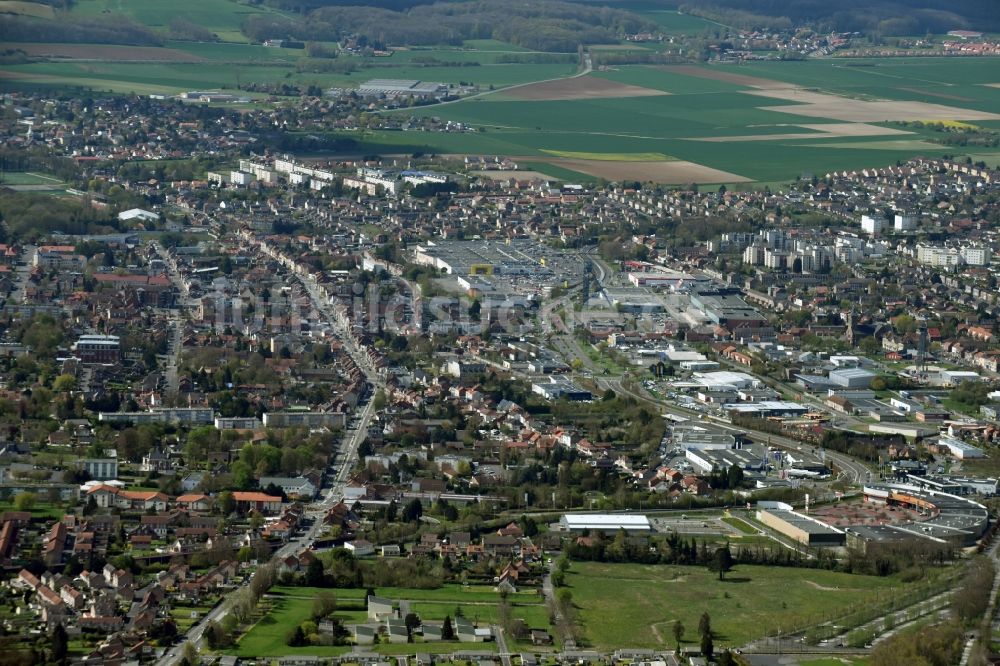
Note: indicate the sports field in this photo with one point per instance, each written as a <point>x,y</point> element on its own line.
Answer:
<point>636,605</point>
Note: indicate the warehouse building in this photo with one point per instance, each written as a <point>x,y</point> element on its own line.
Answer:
<point>608,523</point>
<point>854,378</point>
<point>750,459</point>
<point>807,531</point>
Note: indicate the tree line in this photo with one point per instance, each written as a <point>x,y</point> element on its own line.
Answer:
<point>106,29</point>
<point>542,25</point>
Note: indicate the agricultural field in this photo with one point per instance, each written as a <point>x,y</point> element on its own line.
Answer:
<point>181,67</point>
<point>762,122</point>
<point>621,604</point>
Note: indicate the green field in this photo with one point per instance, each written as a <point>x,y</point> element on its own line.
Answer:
<point>230,71</point>
<point>709,106</point>
<point>26,178</point>
<point>290,606</point>
<point>673,22</point>
<point>636,605</point>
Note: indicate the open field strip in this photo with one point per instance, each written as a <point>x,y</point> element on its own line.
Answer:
<point>611,157</point>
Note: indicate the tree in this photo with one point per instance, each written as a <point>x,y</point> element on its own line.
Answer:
<point>189,654</point>
<point>324,604</point>
<point>413,511</point>
<point>707,646</point>
<point>722,561</point>
<point>256,520</point>
<point>726,659</point>
<point>447,631</point>
<point>60,645</point>
<point>64,383</point>
<point>678,633</point>
<point>315,574</point>
<point>227,504</point>
<point>704,624</point>
<point>295,637</point>
<point>25,501</point>
<point>412,621</point>
<point>869,345</point>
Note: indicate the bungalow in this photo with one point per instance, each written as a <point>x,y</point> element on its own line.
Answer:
<point>266,504</point>
<point>194,502</point>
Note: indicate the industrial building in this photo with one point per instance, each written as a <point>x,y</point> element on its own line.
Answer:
<point>725,306</point>
<point>518,257</point>
<point>402,88</point>
<point>750,459</point>
<point>959,449</point>
<point>853,378</point>
<point>608,523</point>
<point>557,388</point>
<point>768,408</point>
<point>807,531</point>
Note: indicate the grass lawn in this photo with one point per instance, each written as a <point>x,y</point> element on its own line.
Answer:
<point>448,593</point>
<point>43,510</point>
<point>739,524</point>
<point>636,605</point>
<point>290,606</point>
<point>182,615</point>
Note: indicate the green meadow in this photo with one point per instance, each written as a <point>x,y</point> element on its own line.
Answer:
<point>286,607</point>
<point>636,605</point>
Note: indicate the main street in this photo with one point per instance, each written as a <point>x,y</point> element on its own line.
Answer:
<point>344,460</point>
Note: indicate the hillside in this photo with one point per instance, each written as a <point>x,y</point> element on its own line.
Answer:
<point>873,17</point>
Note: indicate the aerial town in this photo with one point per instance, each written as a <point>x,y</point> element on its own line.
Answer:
<point>299,375</point>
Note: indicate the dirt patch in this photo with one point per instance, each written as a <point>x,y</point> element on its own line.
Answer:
<point>580,87</point>
<point>716,74</point>
<point>829,130</point>
<point>108,52</point>
<point>821,587</point>
<point>921,91</point>
<point>823,105</point>
<point>672,172</point>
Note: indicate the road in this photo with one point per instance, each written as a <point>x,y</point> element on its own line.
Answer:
<point>344,459</point>
<point>176,318</point>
